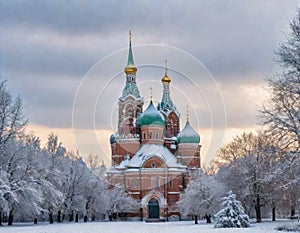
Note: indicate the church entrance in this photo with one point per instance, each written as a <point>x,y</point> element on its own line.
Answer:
<point>153,207</point>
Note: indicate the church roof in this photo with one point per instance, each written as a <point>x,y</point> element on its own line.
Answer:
<point>151,116</point>
<point>148,151</point>
<point>188,135</point>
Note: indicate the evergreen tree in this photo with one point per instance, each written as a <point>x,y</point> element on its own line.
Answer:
<point>232,215</point>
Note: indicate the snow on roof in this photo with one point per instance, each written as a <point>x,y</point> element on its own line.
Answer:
<point>147,151</point>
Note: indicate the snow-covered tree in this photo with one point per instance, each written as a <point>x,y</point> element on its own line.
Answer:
<point>200,198</point>
<point>12,119</point>
<point>22,189</point>
<point>51,167</point>
<point>118,201</point>
<point>12,123</point>
<point>232,215</point>
<point>35,181</point>
<point>77,175</point>
<point>248,166</point>
<point>281,114</point>
<point>95,198</point>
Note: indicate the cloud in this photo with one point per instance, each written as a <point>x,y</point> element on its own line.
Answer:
<point>46,48</point>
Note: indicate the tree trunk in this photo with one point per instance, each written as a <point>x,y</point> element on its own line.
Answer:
<point>35,221</point>
<point>59,216</point>
<point>208,218</point>
<point>51,218</point>
<point>85,218</point>
<point>141,213</point>
<point>10,218</point>
<point>76,217</point>
<point>293,211</point>
<point>274,214</point>
<point>257,209</point>
<point>93,218</point>
<point>196,219</point>
<point>71,217</point>
<point>63,218</point>
<point>0,218</point>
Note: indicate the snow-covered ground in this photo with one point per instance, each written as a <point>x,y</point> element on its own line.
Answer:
<point>131,227</point>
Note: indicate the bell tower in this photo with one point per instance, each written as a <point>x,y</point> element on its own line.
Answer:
<point>130,105</point>
<point>170,112</point>
<point>131,102</point>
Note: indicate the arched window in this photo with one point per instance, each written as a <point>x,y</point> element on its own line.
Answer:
<point>156,135</point>
<point>150,135</point>
<point>153,164</point>
<point>144,135</point>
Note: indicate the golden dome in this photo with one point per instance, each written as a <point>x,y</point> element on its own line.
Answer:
<point>166,79</point>
<point>130,69</point>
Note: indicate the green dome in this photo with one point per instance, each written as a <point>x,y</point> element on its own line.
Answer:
<point>188,135</point>
<point>151,117</point>
<point>112,139</point>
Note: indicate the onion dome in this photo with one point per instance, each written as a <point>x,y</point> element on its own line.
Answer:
<point>166,78</point>
<point>151,117</point>
<point>188,135</point>
<point>112,139</point>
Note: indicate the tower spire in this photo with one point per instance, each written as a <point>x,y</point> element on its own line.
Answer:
<point>130,61</point>
<point>130,68</point>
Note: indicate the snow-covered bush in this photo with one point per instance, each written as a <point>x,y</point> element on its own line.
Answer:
<point>232,215</point>
<point>289,227</point>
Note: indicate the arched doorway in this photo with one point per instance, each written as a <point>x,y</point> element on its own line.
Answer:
<point>153,207</point>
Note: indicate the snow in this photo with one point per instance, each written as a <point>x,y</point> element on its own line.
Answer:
<point>147,151</point>
<point>141,227</point>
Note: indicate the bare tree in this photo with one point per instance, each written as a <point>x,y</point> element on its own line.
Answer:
<point>93,161</point>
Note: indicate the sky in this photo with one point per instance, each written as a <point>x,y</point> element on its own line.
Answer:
<point>66,59</point>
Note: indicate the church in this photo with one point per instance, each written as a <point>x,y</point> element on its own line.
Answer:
<point>151,157</point>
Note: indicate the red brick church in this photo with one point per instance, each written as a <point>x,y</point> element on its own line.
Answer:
<point>151,157</point>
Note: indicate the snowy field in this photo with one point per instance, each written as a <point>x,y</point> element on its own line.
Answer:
<point>131,227</point>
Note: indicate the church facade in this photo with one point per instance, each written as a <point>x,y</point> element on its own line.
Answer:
<point>151,157</point>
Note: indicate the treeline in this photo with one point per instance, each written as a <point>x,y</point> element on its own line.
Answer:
<point>48,183</point>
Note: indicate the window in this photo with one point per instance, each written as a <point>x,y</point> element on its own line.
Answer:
<point>158,181</point>
<point>135,183</point>
<point>144,135</point>
<point>150,135</point>
<point>156,135</point>
<point>153,164</point>
<point>170,183</point>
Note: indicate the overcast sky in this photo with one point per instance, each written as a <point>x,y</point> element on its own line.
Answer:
<point>48,47</point>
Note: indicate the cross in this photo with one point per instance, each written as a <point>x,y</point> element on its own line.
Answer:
<point>187,112</point>
<point>130,36</point>
<point>151,93</point>
<point>166,66</point>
